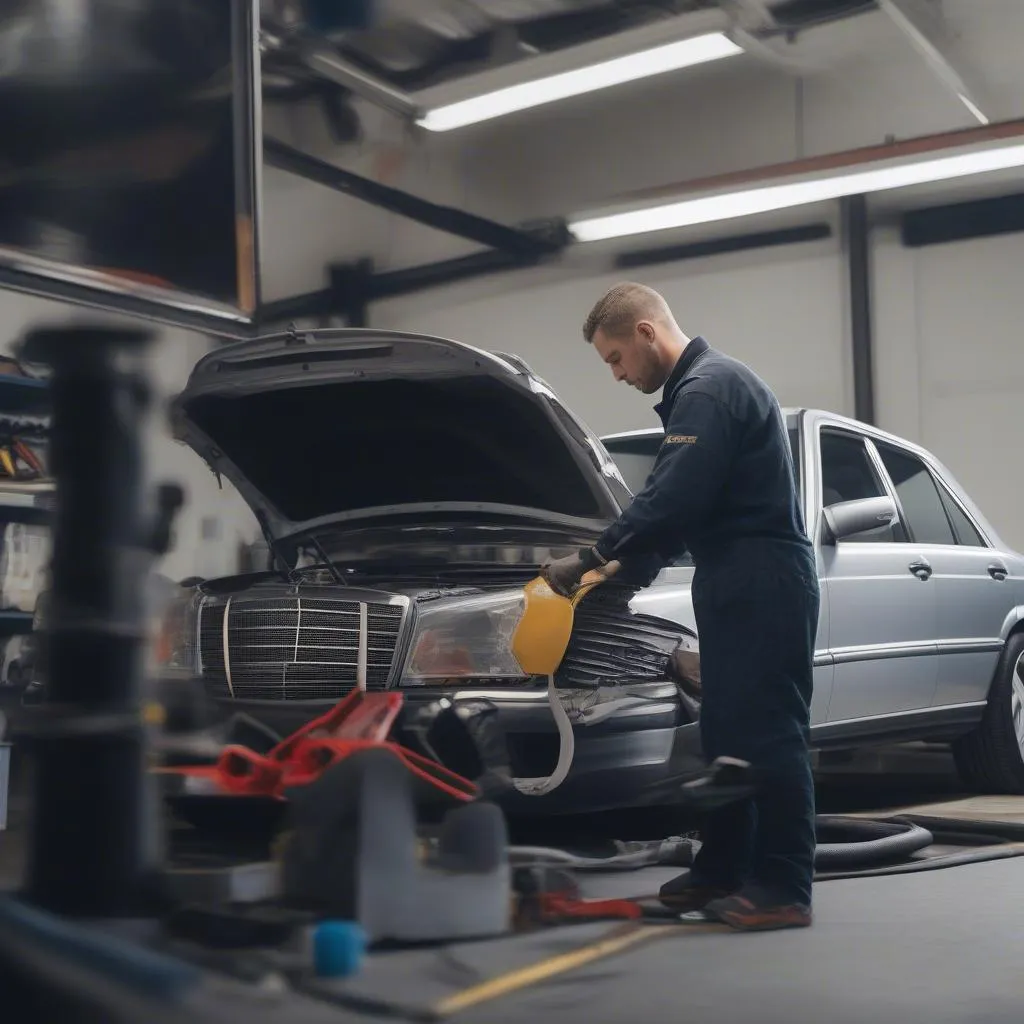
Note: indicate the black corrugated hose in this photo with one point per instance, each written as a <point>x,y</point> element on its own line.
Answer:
<point>847,847</point>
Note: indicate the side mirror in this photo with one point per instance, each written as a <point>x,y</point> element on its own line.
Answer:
<point>848,518</point>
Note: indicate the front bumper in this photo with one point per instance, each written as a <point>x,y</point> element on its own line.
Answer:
<point>631,758</point>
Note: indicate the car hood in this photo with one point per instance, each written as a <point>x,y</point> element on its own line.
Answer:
<point>327,426</point>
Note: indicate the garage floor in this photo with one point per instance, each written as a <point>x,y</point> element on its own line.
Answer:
<point>942,946</point>
<point>937,946</point>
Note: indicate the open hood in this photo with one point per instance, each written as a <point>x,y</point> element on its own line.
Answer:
<point>325,426</point>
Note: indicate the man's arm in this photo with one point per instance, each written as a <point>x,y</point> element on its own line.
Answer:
<point>688,475</point>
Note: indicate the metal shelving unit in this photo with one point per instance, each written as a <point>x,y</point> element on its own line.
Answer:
<point>25,406</point>
<point>24,396</point>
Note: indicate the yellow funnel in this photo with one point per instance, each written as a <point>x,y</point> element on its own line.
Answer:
<point>540,639</point>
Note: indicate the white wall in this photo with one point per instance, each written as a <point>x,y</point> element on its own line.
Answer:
<point>782,313</point>
<point>783,310</point>
<point>951,364</point>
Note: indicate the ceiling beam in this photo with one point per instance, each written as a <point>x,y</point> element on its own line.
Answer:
<point>540,240</point>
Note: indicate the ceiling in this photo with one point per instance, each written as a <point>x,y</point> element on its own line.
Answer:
<point>417,44</point>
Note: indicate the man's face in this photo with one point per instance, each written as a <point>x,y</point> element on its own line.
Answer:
<point>632,358</point>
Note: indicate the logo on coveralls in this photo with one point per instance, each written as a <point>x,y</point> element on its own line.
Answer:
<point>681,439</point>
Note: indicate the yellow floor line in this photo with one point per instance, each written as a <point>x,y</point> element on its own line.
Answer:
<point>533,974</point>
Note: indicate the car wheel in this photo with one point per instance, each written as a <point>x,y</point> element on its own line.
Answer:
<point>991,758</point>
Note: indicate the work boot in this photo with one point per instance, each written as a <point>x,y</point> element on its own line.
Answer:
<point>683,895</point>
<point>755,910</point>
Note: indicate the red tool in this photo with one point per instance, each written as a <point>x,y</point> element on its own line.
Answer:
<point>548,896</point>
<point>359,721</point>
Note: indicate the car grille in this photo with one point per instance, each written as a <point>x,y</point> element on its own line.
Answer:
<point>611,644</point>
<point>294,647</point>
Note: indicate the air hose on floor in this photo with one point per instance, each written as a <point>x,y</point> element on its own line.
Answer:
<point>858,843</point>
<point>847,848</point>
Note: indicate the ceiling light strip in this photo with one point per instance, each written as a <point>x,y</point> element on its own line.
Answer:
<point>766,197</point>
<point>646,63</point>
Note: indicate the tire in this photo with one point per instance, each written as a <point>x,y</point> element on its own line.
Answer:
<point>991,758</point>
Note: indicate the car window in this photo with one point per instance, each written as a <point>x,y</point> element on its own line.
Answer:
<point>923,509</point>
<point>635,457</point>
<point>849,474</point>
<point>966,532</point>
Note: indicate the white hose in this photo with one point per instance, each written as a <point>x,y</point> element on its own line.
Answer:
<point>566,750</point>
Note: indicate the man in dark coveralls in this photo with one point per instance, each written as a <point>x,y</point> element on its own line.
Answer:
<point>723,487</point>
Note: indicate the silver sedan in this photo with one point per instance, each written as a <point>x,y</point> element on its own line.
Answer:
<point>921,633</point>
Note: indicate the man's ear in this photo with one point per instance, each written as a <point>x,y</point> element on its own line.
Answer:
<point>647,332</point>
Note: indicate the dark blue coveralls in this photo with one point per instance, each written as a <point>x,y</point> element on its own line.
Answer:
<point>723,486</point>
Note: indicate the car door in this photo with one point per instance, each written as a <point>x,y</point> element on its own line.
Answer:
<point>883,610</point>
<point>971,579</point>
<point>634,454</point>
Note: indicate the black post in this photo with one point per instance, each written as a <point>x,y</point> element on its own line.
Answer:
<point>858,256</point>
<point>93,851</point>
<point>350,290</point>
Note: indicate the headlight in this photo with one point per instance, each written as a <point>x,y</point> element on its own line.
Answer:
<point>174,646</point>
<point>465,638</point>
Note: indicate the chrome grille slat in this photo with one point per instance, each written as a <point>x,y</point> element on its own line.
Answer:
<point>295,647</point>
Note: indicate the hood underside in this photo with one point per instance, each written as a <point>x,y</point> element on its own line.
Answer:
<point>342,425</point>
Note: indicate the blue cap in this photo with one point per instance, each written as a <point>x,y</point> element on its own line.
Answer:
<point>338,948</point>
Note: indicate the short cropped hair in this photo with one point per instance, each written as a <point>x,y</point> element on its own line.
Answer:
<point>618,310</point>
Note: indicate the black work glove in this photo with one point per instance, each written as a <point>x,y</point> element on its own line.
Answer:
<point>563,575</point>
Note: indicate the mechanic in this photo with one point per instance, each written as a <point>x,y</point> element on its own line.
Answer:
<point>723,486</point>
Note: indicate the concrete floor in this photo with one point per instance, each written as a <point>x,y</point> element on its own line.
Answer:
<point>939,946</point>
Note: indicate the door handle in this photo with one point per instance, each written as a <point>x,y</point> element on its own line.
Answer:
<point>922,570</point>
<point>997,571</point>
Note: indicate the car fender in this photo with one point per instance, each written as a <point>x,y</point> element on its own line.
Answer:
<point>669,597</point>
<point>1013,620</point>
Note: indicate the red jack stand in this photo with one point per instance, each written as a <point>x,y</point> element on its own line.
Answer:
<point>360,721</point>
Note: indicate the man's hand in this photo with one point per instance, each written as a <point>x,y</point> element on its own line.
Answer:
<point>564,574</point>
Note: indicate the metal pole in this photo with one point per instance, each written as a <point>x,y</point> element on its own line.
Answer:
<point>444,218</point>
<point>92,850</point>
<point>858,257</point>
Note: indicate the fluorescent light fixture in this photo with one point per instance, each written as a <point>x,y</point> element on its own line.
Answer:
<point>655,61</point>
<point>764,199</point>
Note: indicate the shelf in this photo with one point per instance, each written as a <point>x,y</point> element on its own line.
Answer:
<point>26,396</point>
<point>15,494</point>
<point>14,622</point>
<point>32,515</point>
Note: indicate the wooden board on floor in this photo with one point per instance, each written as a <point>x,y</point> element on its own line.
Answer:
<point>990,809</point>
